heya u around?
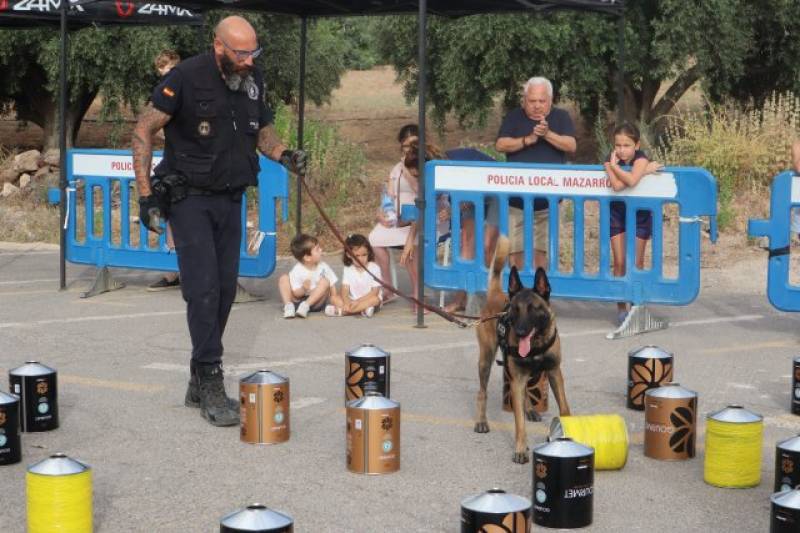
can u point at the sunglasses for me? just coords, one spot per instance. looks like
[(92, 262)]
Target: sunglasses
[(241, 55)]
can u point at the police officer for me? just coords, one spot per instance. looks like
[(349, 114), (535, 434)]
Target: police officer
[(212, 109)]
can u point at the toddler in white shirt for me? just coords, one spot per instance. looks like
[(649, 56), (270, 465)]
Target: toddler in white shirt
[(310, 282), (361, 292)]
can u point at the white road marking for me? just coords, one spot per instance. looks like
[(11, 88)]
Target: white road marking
[(77, 319), (745, 386), (307, 401)]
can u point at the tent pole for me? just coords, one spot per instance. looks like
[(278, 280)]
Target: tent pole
[(62, 143), (302, 115), (621, 67), (420, 201)]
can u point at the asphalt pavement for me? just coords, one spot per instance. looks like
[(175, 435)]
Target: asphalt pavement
[(122, 362)]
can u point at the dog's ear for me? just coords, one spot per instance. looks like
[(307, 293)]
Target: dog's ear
[(541, 285), (514, 283)]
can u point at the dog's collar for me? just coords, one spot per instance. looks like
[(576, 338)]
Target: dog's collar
[(503, 327)]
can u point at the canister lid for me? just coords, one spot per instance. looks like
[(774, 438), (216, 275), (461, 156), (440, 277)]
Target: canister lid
[(367, 351), (735, 414), (797, 359), (670, 390), (792, 444), (788, 499), (6, 398), (58, 464), (264, 377), (32, 368), (373, 400), (496, 501), (562, 447), (256, 517), (649, 352)]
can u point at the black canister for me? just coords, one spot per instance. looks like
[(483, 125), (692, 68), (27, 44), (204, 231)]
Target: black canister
[(649, 367), (787, 464), (366, 370), (496, 510), (256, 518), (37, 387), (10, 447), (563, 484), (785, 515), (796, 386)]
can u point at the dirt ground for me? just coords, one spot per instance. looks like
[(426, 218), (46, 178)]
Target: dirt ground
[(368, 109)]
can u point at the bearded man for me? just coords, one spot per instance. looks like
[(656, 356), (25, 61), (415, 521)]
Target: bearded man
[(212, 110)]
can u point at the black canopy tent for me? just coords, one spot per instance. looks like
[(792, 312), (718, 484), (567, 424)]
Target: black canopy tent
[(328, 8)]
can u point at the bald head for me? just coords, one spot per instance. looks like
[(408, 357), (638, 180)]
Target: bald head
[(237, 29)]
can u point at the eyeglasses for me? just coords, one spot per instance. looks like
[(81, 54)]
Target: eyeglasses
[(241, 55)]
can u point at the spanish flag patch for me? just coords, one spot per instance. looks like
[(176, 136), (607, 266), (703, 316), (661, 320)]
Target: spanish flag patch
[(166, 91)]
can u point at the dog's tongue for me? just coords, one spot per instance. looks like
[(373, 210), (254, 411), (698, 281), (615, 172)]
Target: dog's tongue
[(524, 347)]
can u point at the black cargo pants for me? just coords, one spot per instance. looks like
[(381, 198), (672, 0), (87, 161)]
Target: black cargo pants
[(207, 230)]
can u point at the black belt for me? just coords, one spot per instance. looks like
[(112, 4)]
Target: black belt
[(194, 191)]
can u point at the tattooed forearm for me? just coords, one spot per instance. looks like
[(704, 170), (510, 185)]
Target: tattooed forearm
[(150, 121), (269, 144)]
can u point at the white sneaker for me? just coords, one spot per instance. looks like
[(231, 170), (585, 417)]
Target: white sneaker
[(288, 310), (368, 312), (332, 310), (302, 310)]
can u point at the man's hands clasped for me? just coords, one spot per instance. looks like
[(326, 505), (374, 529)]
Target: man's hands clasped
[(295, 160)]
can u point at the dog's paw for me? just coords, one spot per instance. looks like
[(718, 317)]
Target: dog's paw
[(533, 416), (521, 457), (481, 427)]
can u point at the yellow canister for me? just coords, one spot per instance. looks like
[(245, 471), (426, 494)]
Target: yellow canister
[(59, 495), (733, 448), (264, 408), (373, 435)]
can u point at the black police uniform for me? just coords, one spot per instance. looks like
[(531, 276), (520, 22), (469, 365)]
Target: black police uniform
[(211, 141)]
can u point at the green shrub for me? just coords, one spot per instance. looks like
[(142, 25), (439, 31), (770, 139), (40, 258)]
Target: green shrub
[(743, 147)]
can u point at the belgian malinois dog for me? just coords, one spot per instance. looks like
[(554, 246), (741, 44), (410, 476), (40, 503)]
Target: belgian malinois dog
[(531, 340)]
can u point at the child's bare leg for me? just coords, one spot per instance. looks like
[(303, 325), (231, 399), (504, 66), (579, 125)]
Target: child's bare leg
[(336, 301), (285, 289), (365, 302), (618, 253), (641, 246), (382, 260), (320, 293)]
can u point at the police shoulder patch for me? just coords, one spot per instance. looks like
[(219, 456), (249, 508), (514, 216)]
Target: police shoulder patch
[(166, 91)]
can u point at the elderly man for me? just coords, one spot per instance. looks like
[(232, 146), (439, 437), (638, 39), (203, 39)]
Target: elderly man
[(537, 132), (212, 109)]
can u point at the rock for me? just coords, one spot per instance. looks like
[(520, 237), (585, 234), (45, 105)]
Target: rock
[(27, 161), (8, 174), (41, 172), (9, 190), (51, 157), (24, 181)]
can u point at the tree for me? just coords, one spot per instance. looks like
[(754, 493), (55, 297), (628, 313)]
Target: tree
[(116, 63), (670, 44)]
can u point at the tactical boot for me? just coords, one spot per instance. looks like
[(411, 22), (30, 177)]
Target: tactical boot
[(215, 406), (192, 398)]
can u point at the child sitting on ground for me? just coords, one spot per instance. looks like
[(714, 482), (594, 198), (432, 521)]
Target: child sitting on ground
[(361, 292), (310, 282), (626, 152)]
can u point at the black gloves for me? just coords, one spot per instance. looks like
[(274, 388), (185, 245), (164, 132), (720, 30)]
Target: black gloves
[(294, 160), (150, 213)]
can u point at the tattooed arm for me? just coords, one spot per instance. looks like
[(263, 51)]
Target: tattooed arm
[(269, 144), (150, 121)]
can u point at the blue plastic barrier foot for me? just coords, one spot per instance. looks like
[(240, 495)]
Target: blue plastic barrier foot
[(103, 282), (639, 320), (244, 296)]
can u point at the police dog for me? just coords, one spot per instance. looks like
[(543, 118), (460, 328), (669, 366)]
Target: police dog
[(532, 340)]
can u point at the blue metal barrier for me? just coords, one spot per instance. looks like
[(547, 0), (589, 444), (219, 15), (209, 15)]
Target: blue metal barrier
[(100, 192), (693, 190), (785, 195)]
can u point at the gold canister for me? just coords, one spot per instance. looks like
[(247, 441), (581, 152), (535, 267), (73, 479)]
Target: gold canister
[(649, 367), (373, 435), (264, 405), (537, 390), (670, 423)]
